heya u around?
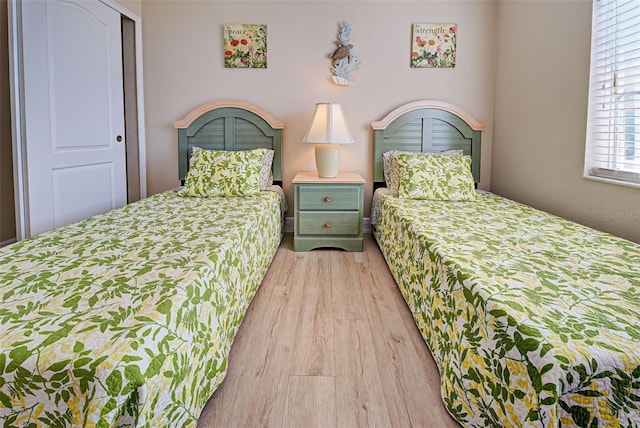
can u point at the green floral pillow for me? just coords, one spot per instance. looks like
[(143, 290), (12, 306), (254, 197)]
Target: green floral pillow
[(266, 174), (444, 178), (390, 165), (224, 173)]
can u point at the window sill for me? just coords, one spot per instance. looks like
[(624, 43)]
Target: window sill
[(610, 181)]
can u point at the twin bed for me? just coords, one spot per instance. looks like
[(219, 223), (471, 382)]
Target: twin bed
[(127, 318), (533, 320)]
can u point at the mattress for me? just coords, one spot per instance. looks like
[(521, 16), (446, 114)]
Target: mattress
[(127, 318), (532, 319)]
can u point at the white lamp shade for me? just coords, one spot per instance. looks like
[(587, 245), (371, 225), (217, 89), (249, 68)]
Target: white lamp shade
[(328, 126)]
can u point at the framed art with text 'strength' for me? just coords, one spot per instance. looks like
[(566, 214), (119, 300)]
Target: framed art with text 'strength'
[(434, 45)]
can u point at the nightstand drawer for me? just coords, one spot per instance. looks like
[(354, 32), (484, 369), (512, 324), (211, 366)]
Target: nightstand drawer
[(334, 197), (329, 223)]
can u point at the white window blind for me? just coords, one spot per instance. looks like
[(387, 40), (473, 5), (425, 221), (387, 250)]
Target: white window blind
[(613, 125)]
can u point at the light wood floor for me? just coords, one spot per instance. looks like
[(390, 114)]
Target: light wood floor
[(328, 341)]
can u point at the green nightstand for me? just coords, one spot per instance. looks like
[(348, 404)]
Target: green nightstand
[(328, 211)]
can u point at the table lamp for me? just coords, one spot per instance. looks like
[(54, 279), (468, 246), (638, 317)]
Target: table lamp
[(328, 130)]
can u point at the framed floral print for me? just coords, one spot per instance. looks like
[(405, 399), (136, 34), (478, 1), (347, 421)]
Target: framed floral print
[(245, 46), (434, 45)]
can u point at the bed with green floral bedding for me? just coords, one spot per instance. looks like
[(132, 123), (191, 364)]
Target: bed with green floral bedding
[(127, 318), (533, 320)]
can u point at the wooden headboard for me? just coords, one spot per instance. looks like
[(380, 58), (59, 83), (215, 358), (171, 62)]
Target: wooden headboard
[(229, 125), (427, 126)]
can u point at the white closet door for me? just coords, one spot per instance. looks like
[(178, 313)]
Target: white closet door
[(73, 112)]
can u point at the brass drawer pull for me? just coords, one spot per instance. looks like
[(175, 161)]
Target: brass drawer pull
[(328, 199), (327, 224)]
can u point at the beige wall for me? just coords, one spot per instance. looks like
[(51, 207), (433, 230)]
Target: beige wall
[(134, 6), (183, 68), (540, 117), (538, 81), (7, 207)]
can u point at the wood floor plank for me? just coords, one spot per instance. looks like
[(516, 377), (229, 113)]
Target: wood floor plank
[(346, 290), (382, 316), (361, 400), (311, 402), (228, 405), (304, 356), (408, 376), (268, 394), (314, 346)]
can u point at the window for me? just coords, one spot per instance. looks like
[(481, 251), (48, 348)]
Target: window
[(613, 125)]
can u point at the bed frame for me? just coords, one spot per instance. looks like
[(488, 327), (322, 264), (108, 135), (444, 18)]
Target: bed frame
[(427, 126), (229, 125)]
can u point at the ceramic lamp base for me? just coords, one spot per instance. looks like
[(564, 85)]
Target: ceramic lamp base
[(327, 160)]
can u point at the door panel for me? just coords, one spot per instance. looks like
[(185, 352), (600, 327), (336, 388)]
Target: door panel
[(80, 189), (74, 111)]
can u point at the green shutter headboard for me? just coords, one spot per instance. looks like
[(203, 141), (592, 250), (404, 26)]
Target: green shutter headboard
[(229, 125), (427, 126)]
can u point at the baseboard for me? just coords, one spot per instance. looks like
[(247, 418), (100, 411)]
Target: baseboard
[(366, 225), (289, 222), (7, 242)]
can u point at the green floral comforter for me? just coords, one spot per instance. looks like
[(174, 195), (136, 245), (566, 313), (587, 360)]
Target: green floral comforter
[(533, 320), (127, 318)]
